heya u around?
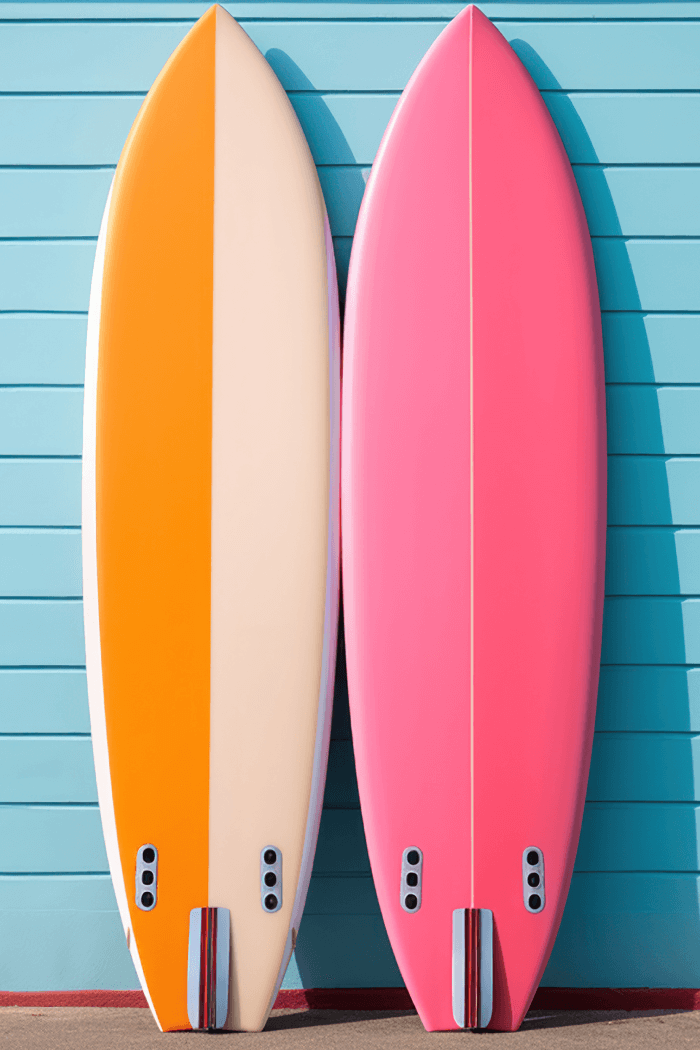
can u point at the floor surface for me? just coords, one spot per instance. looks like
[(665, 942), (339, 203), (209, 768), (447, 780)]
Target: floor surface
[(70, 1028)]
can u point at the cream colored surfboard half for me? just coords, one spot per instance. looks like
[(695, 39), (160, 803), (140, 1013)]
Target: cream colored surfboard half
[(210, 515)]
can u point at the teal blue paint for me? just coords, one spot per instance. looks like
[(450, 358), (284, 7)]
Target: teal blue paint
[(42, 348), (73, 129), (653, 561), (632, 135), (653, 490), (86, 57), (40, 564), (645, 767), (40, 492), (342, 246), (41, 422), (343, 129), (346, 56), (45, 275), (69, 202), (346, 895), (649, 699), (51, 839), (53, 701), (647, 274), (52, 202), (343, 189), (62, 932), (656, 348), (347, 128), (651, 631), (345, 951), (634, 128), (629, 836), (604, 56), (654, 420), (46, 769), (628, 931), (634, 202), (399, 11), (633, 274), (41, 633), (640, 202), (341, 846), (341, 785)]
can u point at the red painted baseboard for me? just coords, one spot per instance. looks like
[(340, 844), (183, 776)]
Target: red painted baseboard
[(393, 999)]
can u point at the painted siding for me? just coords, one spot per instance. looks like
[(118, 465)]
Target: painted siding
[(623, 84)]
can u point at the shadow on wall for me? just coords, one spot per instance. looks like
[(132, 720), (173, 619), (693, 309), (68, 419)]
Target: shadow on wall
[(342, 941), (342, 180), (632, 916)]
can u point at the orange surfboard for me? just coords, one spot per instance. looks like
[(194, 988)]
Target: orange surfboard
[(210, 529)]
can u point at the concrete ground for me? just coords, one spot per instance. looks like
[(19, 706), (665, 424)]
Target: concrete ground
[(70, 1028)]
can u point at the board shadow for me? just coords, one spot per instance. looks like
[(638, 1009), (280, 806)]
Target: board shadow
[(639, 692)]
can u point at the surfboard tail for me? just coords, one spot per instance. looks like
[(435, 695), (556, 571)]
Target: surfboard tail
[(472, 967), (208, 967)]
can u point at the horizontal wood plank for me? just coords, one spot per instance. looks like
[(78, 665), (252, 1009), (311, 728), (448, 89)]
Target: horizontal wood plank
[(628, 931), (341, 781), (640, 201), (651, 348), (367, 55), (41, 634), (400, 11), (346, 128), (627, 128), (42, 564), (53, 202), (42, 348), (342, 951), (62, 932), (653, 490), (348, 895), (657, 420), (341, 844), (642, 490), (618, 836), (652, 561), (645, 767), (629, 201), (40, 492), (41, 421), (47, 769), (46, 275), (51, 839), (649, 699), (72, 129), (52, 701), (651, 631), (648, 274)]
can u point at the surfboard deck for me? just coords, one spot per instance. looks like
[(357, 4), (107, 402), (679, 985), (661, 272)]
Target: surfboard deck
[(210, 529), (473, 493)]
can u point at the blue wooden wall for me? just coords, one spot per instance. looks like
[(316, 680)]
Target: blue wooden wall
[(622, 81)]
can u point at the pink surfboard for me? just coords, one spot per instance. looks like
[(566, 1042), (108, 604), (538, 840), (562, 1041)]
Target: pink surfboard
[(473, 490)]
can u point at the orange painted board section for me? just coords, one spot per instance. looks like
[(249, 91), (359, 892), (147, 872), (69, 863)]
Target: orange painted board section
[(153, 502)]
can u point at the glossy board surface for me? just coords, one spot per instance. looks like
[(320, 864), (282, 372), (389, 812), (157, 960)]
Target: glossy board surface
[(473, 511), (210, 513)]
